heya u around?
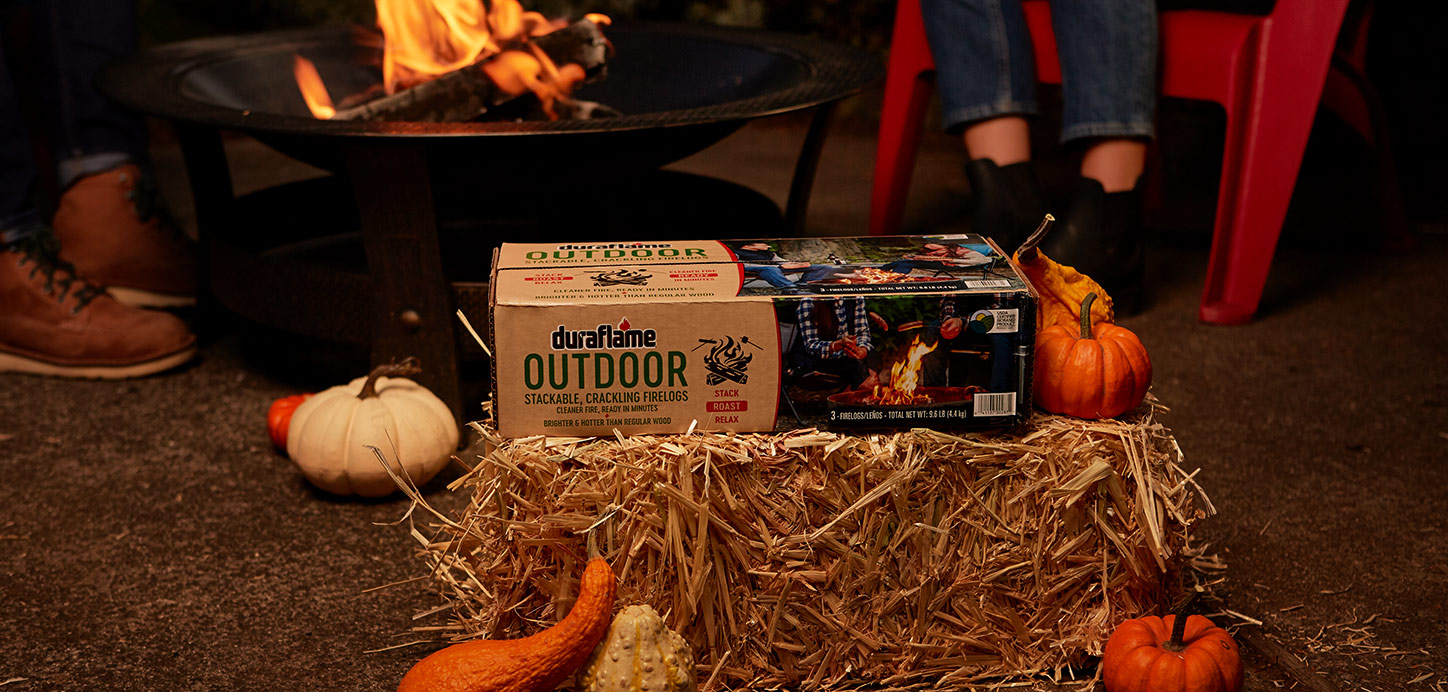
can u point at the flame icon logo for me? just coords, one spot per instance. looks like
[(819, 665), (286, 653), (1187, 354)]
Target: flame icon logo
[(622, 277), (727, 359)]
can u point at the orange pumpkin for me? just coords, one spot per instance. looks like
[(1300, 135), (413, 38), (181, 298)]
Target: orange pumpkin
[(1101, 371), (279, 418), (1171, 654)]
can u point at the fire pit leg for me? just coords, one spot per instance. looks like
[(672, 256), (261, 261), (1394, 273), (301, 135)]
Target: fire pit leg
[(215, 204), (412, 313), (804, 169)]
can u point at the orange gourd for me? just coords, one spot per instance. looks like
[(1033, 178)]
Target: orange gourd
[(532, 664), (1060, 288), (1100, 371), (1172, 654), (279, 418)]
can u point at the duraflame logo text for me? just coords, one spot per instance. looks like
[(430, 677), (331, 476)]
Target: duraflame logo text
[(604, 357), (613, 246), (603, 337)]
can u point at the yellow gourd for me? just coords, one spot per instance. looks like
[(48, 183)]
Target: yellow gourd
[(639, 654), (1062, 289), (330, 433)]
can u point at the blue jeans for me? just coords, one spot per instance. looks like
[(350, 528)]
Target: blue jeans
[(984, 66), (65, 43), (775, 277)]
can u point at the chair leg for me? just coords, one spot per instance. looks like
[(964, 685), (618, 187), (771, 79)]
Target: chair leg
[(907, 93), (1350, 96), (1266, 136)]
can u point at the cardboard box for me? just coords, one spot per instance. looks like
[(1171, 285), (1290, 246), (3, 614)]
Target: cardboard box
[(757, 335)]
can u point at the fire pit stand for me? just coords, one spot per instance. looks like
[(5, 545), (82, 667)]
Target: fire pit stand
[(682, 88)]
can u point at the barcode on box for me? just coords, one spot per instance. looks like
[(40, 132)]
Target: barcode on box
[(1000, 404), (978, 284)]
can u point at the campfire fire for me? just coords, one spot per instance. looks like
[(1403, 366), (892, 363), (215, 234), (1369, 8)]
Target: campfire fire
[(871, 275), (904, 378), (425, 39)]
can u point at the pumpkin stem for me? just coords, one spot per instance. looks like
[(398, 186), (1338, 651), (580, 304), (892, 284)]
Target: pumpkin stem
[(1086, 315), (1179, 623), (409, 366)]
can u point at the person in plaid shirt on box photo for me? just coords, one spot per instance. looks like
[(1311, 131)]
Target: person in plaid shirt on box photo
[(835, 334)]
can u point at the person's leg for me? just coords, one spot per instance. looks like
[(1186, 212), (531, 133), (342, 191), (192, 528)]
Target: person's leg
[(771, 275), (983, 60), (935, 365), (1108, 51), (819, 272), (92, 135), (17, 157), (1115, 163), (986, 76), (53, 321), (110, 220), (851, 370), (1005, 140), (900, 266)]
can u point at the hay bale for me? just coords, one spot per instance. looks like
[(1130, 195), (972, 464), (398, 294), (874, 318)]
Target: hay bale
[(821, 561)]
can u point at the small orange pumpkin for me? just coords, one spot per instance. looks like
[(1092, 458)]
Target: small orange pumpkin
[(279, 418), (1172, 654), (1102, 371)]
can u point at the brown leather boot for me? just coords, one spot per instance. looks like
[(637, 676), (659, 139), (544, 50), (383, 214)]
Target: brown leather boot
[(53, 322), (112, 228)]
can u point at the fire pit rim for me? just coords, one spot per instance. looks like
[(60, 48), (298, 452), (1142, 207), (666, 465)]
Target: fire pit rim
[(149, 81)]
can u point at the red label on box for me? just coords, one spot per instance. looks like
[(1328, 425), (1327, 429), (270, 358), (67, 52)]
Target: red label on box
[(718, 406)]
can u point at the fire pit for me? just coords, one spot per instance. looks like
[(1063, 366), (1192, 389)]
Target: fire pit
[(680, 88)]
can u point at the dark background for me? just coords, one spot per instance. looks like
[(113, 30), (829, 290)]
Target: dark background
[(150, 538)]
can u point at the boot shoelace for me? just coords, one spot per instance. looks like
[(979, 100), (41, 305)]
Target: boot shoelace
[(146, 199), (41, 249)]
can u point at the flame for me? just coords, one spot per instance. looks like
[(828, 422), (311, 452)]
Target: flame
[(517, 72), (426, 38), (314, 92), (423, 39), (905, 377), (872, 275)]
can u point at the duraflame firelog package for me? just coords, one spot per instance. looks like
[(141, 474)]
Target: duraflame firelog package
[(759, 335)]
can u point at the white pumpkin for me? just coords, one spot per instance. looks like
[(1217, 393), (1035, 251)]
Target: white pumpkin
[(331, 432)]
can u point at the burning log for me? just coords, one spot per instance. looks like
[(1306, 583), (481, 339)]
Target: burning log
[(467, 93)]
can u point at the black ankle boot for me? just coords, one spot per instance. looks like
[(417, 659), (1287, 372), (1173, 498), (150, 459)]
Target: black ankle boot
[(1100, 235), (1008, 201)]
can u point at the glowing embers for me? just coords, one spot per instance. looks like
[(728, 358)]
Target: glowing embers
[(872, 275)]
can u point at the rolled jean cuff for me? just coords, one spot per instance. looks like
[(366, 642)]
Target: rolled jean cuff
[(1144, 130), (72, 169), (958, 118), (17, 227)]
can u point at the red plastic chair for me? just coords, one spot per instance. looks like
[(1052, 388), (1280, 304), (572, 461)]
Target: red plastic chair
[(1268, 72)]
